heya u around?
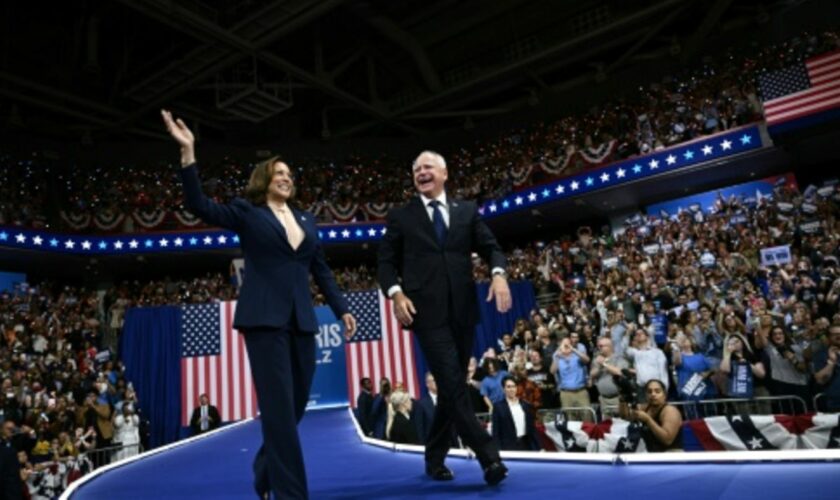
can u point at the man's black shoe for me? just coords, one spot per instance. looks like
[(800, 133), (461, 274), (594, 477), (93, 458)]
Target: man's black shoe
[(495, 473), (440, 473)]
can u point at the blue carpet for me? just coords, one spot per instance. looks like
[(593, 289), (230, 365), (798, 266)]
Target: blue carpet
[(339, 466)]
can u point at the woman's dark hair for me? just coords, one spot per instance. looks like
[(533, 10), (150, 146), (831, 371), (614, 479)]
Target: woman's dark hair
[(260, 179), (656, 381), (491, 361)]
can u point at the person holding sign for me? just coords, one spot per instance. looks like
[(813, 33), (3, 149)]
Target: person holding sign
[(274, 311)]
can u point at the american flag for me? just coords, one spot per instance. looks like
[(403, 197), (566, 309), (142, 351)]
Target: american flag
[(214, 361), (809, 87), (380, 348)]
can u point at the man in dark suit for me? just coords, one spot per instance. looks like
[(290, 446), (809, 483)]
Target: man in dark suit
[(425, 409), (425, 266), (205, 417), (364, 403)]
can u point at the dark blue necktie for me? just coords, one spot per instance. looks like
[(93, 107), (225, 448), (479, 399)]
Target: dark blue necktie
[(437, 221)]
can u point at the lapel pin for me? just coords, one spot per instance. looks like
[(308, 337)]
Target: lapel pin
[(302, 218)]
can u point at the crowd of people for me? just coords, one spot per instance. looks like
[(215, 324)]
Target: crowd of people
[(715, 95), (65, 405), (684, 301)]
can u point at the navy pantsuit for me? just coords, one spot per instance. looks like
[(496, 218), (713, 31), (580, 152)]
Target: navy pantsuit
[(277, 317)]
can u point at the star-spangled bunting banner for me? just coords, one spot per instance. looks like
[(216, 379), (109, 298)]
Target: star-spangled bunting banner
[(709, 148)]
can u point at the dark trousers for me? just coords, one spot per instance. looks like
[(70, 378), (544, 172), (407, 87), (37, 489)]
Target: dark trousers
[(447, 350), (282, 364)]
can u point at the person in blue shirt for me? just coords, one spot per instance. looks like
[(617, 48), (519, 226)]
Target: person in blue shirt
[(569, 366), (742, 365), (491, 384), (693, 370)]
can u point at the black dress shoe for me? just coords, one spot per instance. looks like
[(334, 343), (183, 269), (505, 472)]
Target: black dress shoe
[(440, 473), (495, 473)]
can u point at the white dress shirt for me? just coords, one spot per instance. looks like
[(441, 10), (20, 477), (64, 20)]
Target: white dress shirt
[(518, 418), (444, 210)]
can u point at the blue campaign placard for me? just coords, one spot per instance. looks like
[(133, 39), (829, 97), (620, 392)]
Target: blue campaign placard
[(329, 388)]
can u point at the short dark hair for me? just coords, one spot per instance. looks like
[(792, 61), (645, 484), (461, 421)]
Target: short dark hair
[(364, 380), (505, 380)]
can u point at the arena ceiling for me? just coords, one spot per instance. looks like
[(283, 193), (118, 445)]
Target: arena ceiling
[(248, 70)]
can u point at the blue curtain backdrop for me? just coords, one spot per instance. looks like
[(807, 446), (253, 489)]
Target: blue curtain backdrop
[(493, 324), (150, 348)]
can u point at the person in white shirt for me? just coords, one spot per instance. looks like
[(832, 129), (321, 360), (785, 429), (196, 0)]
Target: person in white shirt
[(205, 417), (649, 362), (513, 421)]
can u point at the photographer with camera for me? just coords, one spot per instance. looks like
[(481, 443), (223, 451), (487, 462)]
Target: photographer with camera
[(661, 422)]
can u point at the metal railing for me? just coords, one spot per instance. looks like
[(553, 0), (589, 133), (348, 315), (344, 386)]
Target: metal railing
[(571, 413), (763, 405)]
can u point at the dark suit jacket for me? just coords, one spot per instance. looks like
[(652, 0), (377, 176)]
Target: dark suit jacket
[(403, 430), (504, 430), (424, 413), (11, 487), (276, 284), (364, 406), (431, 276), (195, 420)]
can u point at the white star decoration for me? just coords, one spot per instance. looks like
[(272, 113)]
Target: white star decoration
[(726, 144), (371, 232), (37, 240), (179, 242), (118, 245), (707, 150), (69, 244), (605, 177), (756, 443), (532, 197), (208, 240), (671, 159), (20, 238), (575, 185), (654, 164), (620, 173), (222, 239), (133, 244), (86, 245), (345, 234), (560, 189)]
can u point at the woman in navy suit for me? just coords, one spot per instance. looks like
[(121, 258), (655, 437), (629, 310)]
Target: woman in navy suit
[(513, 421), (274, 312)]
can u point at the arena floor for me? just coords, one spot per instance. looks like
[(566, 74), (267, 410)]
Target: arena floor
[(340, 466)]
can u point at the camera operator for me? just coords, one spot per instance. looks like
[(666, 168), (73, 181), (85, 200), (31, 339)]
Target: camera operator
[(661, 422)]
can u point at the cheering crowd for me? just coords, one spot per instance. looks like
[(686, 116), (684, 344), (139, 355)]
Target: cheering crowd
[(717, 94)]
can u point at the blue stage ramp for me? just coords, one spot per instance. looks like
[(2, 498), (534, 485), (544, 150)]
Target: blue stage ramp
[(340, 465)]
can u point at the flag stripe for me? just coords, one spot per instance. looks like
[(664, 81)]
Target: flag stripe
[(214, 361), (808, 110), (381, 348), (823, 59), (802, 89)]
